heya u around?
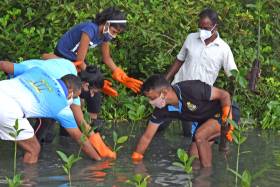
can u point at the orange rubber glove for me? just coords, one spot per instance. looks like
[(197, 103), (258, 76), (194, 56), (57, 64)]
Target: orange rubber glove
[(80, 65), (229, 133), (133, 84), (104, 151), (136, 156), (226, 110), (108, 90)]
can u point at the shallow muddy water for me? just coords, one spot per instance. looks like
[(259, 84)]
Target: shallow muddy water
[(260, 160)]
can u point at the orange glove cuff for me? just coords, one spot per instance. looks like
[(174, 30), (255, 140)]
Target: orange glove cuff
[(225, 111), (137, 156)]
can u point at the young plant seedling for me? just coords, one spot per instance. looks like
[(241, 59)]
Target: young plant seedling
[(139, 181), (239, 139), (16, 181), (136, 112), (68, 163), (85, 134), (118, 141), (245, 178), (185, 161)]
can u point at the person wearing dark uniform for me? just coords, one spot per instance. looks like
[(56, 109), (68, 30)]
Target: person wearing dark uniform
[(206, 106)]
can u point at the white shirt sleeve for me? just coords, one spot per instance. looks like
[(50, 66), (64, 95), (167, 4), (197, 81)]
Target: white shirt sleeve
[(183, 52), (228, 63)]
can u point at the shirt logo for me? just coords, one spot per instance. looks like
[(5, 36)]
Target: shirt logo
[(39, 86), (192, 107)]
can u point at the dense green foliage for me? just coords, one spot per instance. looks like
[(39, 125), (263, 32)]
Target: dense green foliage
[(156, 32)]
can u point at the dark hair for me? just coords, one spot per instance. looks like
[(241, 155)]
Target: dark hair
[(93, 76), (111, 13), (72, 82), (209, 13), (155, 82)]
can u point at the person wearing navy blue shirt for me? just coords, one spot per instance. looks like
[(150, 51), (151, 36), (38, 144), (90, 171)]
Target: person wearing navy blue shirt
[(39, 95), (74, 45)]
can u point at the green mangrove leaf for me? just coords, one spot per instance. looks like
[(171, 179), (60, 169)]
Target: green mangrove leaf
[(178, 164), (115, 136), (242, 139), (122, 139), (246, 179), (138, 178), (62, 156)]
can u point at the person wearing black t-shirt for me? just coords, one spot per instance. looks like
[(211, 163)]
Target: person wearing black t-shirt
[(190, 100)]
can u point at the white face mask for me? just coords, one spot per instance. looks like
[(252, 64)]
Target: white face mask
[(205, 34), (106, 32), (158, 102), (70, 101)]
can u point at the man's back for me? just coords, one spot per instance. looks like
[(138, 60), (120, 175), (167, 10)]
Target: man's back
[(56, 68), (38, 94)]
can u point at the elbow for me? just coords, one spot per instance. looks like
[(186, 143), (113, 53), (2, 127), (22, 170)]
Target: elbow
[(2, 65), (226, 96)]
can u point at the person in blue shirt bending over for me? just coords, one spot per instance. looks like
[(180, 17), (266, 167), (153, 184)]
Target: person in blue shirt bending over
[(74, 45), (92, 80), (33, 93)]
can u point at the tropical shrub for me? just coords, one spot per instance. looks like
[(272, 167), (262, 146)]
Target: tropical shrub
[(156, 31)]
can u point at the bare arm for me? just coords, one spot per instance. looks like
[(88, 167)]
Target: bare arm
[(83, 49), (107, 59), (173, 69), (87, 148), (146, 138), (7, 67), (79, 117), (222, 95)]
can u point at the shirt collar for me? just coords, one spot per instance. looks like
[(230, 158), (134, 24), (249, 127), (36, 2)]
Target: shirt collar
[(62, 84), (172, 108)]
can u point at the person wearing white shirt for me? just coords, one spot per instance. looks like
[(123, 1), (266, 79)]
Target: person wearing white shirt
[(202, 55)]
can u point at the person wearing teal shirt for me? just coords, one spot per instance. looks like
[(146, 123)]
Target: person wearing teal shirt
[(92, 80), (39, 95)]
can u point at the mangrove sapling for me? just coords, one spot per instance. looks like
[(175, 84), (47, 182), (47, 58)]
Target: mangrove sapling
[(118, 141), (136, 112), (185, 162), (239, 139), (68, 163), (16, 181), (138, 181), (72, 159), (85, 134)]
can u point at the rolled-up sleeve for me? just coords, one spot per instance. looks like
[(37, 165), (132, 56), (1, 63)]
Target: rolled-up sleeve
[(183, 52), (228, 63)]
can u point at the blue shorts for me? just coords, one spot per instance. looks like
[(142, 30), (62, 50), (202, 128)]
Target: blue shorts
[(196, 125)]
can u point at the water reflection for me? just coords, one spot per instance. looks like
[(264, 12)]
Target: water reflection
[(96, 172), (157, 164)]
